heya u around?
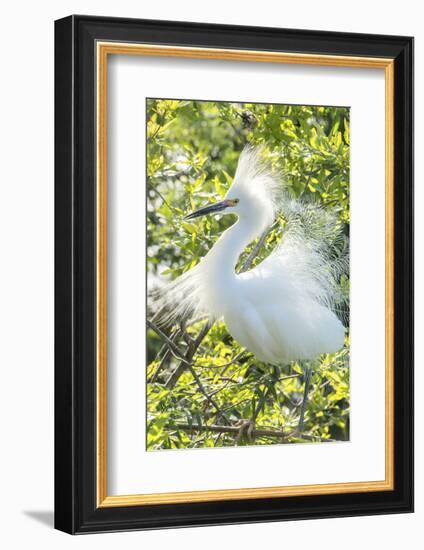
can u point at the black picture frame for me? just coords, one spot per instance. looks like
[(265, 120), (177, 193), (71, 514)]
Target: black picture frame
[(76, 508)]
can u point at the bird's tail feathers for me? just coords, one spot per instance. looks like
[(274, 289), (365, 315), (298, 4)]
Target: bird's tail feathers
[(178, 300)]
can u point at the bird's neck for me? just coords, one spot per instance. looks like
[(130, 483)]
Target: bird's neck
[(223, 257)]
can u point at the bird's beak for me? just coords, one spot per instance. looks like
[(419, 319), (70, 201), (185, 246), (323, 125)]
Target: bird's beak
[(211, 209)]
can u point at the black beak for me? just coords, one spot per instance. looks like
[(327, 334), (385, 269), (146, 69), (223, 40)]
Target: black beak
[(211, 209)]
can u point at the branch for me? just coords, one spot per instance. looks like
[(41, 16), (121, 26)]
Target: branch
[(172, 347), (225, 365), (208, 397), (257, 432), (186, 361), (188, 358)]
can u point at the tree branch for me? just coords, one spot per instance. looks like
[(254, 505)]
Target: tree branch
[(172, 347), (257, 432), (209, 398), (225, 365), (188, 358), (186, 361)]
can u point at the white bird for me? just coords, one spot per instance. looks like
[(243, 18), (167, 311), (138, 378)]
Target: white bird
[(282, 310)]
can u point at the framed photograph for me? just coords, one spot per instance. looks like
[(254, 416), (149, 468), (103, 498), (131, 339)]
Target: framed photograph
[(234, 255)]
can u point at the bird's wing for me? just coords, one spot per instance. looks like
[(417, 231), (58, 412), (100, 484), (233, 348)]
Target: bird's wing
[(310, 258)]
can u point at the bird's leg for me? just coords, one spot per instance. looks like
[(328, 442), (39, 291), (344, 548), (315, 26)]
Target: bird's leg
[(246, 427), (250, 429), (307, 375)]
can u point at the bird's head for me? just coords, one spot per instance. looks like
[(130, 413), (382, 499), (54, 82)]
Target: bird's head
[(252, 195)]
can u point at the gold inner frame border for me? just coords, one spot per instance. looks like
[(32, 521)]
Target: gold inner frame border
[(103, 50)]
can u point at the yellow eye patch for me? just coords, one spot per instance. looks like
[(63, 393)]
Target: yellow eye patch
[(232, 202)]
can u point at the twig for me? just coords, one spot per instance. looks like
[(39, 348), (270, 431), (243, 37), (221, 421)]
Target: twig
[(208, 396), (288, 377), (165, 357), (222, 387), (225, 365), (172, 347), (236, 404), (254, 252), (312, 437)]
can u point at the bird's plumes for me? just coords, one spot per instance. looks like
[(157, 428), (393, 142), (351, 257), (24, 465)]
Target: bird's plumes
[(315, 251), (261, 189), (282, 309)]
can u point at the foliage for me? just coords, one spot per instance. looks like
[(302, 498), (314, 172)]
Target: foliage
[(192, 153)]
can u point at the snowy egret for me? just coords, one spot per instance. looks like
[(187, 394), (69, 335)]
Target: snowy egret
[(282, 310)]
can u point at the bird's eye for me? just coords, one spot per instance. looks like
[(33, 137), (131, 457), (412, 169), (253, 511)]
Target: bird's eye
[(236, 201)]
